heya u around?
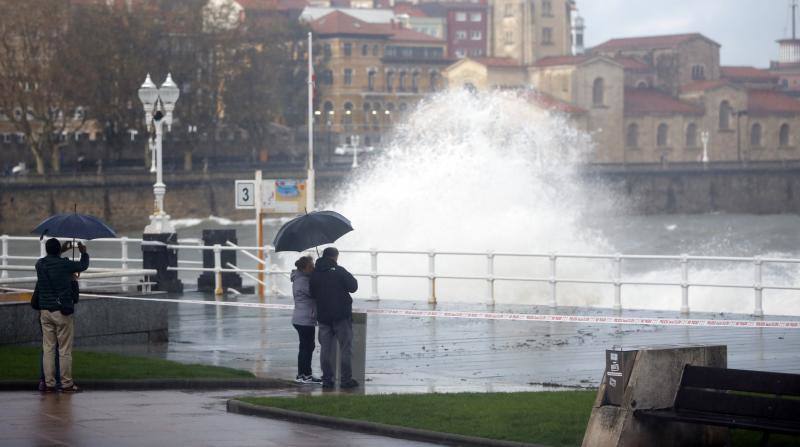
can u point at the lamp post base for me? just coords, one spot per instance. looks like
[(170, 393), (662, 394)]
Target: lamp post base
[(159, 224), (158, 257)]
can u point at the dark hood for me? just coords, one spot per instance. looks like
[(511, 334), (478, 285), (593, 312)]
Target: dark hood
[(324, 264)]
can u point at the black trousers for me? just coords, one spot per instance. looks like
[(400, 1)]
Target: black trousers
[(307, 346)]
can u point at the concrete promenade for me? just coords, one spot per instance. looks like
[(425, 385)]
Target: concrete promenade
[(156, 418)]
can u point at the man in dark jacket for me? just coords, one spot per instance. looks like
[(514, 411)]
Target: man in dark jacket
[(331, 286), (55, 275)]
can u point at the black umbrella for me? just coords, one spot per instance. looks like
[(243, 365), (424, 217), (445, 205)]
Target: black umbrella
[(311, 230), (74, 226)]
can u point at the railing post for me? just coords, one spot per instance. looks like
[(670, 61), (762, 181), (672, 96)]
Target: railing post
[(124, 279), (553, 281), (373, 255), (432, 277), (684, 284), (273, 284), (618, 282), (217, 273), (4, 254), (490, 275), (759, 289)]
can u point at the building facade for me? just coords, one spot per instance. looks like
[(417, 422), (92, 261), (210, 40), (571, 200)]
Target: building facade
[(527, 30), (374, 73), (467, 26)]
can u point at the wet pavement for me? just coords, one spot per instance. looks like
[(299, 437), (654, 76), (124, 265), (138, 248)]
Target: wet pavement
[(409, 354), (156, 418)]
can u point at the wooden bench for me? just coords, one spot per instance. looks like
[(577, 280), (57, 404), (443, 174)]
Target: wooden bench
[(761, 401)]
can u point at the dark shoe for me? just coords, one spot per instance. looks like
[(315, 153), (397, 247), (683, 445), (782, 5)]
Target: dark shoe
[(328, 385), (350, 384), (71, 389), (48, 389), (313, 380), (300, 379)]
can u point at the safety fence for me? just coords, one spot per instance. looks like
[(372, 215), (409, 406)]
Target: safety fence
[(266, 268)]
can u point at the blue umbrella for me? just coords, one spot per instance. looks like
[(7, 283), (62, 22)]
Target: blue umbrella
[(75, 226), (311, 230)]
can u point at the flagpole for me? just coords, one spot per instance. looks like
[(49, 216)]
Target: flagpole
[(310, 182)]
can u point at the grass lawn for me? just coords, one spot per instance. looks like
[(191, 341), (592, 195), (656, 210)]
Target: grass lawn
[(22, 363), (555, 418)]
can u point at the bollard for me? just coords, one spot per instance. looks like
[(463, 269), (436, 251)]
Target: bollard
[(158, 256), (431, 277), (4, 255), (373, 255), (618, 282), (490, 275), (358, 359), (217, 273), (684, 284), (124, 279), (758, 288), (206, 282), (553, 282)]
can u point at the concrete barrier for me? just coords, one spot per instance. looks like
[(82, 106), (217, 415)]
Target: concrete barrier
[(653, 379), (97, 321)]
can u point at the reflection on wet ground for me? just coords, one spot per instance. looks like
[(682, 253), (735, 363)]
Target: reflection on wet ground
[(406, 354), (157, 418)]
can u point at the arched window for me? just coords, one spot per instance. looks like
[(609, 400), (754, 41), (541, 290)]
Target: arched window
[(725, 115), (375, 50), (389, 81), (755, 135), (401, 81), (329, 111), (402, 107), (371, 80), (784, 139), (597, 92), (698, 72), (415, 81), (434, 81), (364, 50), (691, 135), (662, 135), (632, 136), (641, 84)]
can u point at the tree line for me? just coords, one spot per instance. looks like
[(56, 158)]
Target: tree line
[(66, 63)]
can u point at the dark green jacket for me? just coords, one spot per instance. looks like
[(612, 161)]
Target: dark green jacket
[(54, 274)]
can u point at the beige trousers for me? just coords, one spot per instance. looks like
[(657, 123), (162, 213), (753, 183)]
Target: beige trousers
[(57, 327)]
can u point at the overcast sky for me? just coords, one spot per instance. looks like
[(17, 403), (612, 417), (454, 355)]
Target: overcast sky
[(746, 29)]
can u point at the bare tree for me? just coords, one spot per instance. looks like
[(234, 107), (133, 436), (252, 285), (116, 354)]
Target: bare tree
[(32, 87)]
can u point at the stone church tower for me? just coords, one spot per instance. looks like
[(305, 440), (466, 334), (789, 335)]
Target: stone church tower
[(528, 30)]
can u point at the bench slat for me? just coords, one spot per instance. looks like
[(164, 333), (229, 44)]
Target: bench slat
[(693, 399), (759, 424), (741, 380)]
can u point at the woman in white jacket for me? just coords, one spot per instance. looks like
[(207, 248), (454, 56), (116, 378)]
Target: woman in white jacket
[(304, 318)]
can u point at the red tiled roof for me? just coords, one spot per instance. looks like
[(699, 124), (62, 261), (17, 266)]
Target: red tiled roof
[(768, 102), (496, 61), (649, 42), (545, 101), (747, 74), (633, 64), (338, 22), (551, 61), (646, 101), (701, 86)]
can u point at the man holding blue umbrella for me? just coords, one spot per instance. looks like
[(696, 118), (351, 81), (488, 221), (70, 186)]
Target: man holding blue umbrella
[(56, 305)]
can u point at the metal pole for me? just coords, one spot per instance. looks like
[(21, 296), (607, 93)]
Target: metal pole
[(4, 254), (757, 287), (553, 282), (684, 284), (259, 234), (217, 273), (124, 279), (311, 177), (618, 283), (490, 275), (159, 189), (373, 254), (432, 277)]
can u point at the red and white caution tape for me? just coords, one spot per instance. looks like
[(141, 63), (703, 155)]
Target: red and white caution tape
[(583, 319)]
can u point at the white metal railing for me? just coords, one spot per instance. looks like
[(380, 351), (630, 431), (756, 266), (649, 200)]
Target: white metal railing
[(616, 279)]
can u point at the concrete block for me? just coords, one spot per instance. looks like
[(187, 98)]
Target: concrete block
[(654, 379)]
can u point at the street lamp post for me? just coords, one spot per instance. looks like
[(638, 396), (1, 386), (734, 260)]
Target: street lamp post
[(704, 139), (355, 140), (158, 106)]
